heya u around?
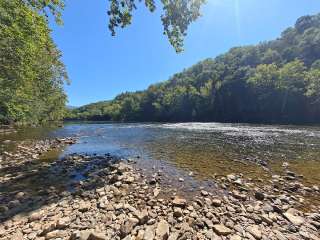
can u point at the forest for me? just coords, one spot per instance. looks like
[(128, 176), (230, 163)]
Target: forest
[(276, 81), (32, 74)]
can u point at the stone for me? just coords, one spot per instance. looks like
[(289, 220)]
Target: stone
[(174, 236), (239, 195), (255, 231), (20, 195), (152, 181), (129, 180), (97, 236), (149, 233), (231, 177), (156, 192), (84, 206), (291, 215), (220, 229), (259, 196), (177, 212), (18, 235), (162, 230), (54, 234), (204, 193), (63, 222), (266, 219), (35, 216), (208, 223), (179, 202), (128, 226), (216, 202), (143, 216), (80, 235), (235, 237)]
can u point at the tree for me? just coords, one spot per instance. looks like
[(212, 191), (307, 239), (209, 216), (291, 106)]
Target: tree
[(272, 82), (31, 72), (176, 17)]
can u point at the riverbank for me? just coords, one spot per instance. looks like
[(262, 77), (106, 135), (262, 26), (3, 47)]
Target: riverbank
[(103, 197)]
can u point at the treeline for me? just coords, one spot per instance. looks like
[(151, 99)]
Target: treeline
[(275, 82), (31, 71)]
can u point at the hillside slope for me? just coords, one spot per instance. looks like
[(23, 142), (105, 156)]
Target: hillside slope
[(273, 82)]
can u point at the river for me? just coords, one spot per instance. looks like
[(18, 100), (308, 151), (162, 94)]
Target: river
[(203, 150)]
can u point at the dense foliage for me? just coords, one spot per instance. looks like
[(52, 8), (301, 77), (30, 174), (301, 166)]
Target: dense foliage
[(31, 72), (275, 81)]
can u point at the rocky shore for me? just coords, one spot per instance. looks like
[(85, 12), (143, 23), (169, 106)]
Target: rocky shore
[(102, 197)]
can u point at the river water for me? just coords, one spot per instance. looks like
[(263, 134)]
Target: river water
[(205, 149)]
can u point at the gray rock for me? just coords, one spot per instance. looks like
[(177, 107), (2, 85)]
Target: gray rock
[(259, 196)]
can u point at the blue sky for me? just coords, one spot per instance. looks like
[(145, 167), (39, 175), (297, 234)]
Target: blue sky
[(101, 66)]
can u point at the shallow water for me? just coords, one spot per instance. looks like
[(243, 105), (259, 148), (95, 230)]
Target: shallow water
[(206, 149)]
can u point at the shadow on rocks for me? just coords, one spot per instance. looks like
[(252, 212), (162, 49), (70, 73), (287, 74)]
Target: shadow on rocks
[(32, 184)]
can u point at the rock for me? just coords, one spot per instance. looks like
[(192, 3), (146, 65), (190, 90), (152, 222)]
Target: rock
[(18, 235), (63, 222), (285, 164), (220, 229), (259, 196), (48, 227), (84, 206), (97, 236), (239, 195), (142, 216), (231, 177), (204, 193), (174, 236), (266, 219), (152, 181), (235, 237), (216, 202), (149, 233), (181, 180), (54, 234), (129, 180), (315, 188), (128, 226), (140, 234), (156, 192), (292, 216), (238, 182), (255, 231), (35, 216), (20, 195), (80, 235), (179, 202), (162, 231), (208, 223), (177, 212)]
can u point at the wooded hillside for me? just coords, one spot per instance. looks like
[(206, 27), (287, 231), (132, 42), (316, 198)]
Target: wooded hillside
[(274, 82)]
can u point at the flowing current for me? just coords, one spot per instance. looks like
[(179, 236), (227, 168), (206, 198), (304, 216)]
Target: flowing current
[(205, 149)]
